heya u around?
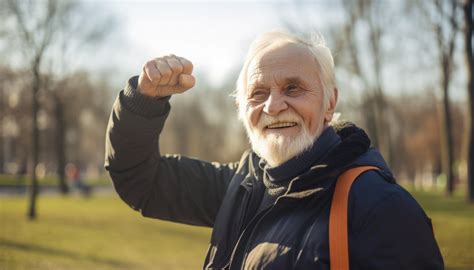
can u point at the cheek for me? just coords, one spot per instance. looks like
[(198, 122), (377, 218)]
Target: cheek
[(312, 115), (253, 114)]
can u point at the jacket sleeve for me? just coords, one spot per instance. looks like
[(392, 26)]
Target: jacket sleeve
[(173, 188), (397, 234)]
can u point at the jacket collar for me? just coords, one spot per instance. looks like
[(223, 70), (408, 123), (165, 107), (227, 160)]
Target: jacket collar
[(303, 161), (340, 146)]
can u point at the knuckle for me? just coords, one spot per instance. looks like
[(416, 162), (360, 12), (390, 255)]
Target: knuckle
[(176, 67), (158, 62), (185, 60), (146, 66), (189, 64), (166, 73)]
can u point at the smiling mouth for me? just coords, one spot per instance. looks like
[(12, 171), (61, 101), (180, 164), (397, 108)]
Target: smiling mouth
[(281, 125)]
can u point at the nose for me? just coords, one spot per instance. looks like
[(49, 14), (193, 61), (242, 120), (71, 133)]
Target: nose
[(275, 104)]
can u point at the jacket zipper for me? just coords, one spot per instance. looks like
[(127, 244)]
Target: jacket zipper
[(241, 220), (253, 231), (265, 213)]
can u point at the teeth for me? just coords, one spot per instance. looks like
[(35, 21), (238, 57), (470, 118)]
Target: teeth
[(282, 125)]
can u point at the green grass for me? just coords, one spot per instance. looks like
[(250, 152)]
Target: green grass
[(453, 222), (97, 233), (103, 233)]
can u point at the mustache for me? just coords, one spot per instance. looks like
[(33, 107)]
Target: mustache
[(266, 119)]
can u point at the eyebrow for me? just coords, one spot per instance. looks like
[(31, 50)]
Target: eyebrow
[(293, 80), (290, 80)]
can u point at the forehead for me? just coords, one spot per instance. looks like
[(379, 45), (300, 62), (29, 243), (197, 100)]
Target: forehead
[(281, 61)]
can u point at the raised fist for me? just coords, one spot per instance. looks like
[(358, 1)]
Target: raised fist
[(166, 76)]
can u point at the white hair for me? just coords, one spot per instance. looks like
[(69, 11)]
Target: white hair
[(315, 44)]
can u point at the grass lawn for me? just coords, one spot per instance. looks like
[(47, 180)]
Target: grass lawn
[(453, 222), (103, 233), (97, 233)]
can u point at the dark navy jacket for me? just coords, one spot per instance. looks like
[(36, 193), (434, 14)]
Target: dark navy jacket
[(387, 227)]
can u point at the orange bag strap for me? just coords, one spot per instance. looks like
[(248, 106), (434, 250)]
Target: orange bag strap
[(338, 240)]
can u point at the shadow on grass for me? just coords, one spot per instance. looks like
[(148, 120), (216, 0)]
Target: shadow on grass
[(168, 228), (58, 252)]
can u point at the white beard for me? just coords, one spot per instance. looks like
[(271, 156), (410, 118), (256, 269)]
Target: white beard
[(275, 149)]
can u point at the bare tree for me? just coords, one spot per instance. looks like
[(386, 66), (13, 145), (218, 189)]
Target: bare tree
[(442, 18), (369, 19), (35, 23), (36, 27), (211, 108), (75, 35), (360, 53), (468, 37)]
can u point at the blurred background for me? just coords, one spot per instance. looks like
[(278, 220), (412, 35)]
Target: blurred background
[(404, 71)]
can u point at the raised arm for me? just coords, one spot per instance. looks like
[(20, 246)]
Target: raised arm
[(172, 188)]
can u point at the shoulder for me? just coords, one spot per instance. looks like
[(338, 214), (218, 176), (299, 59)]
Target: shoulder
[(243, 169), (373, 186), (374, 196), (388, 228)]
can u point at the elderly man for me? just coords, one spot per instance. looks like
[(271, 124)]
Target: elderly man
[(270, 210)]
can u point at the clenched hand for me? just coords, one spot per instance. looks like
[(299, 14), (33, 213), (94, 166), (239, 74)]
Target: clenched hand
[(164, 76)]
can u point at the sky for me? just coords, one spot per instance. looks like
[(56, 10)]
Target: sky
[(214, 35)]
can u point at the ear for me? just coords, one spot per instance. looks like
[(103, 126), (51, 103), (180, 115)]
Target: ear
[(332, 106), (240, 110)]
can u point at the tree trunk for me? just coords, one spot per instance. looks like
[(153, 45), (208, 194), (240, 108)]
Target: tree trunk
[(383, 125), (468, 36), (447, 136), (369, 113), (3, 113), (372, 118), (33, 187), (60, 150)]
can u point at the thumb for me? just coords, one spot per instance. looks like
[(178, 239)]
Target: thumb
[(186, 81)]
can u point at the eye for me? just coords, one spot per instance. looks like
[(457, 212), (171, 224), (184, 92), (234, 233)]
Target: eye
[(259, 95), (293, 90), (290, 87)]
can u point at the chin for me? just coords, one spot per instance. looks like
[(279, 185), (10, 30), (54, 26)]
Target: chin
[(276, 149)]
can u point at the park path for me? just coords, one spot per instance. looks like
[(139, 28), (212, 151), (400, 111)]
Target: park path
[(50, 190)]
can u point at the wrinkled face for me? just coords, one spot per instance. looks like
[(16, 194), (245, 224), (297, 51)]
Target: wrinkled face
[(284, 102)]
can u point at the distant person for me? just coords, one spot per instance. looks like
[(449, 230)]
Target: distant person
[(273, 208), (74, 174)]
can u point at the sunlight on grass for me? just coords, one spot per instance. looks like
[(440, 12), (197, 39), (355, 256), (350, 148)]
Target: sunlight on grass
[(453, 222), (103, 233), (100, 233)]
